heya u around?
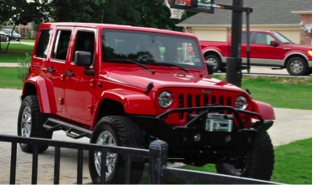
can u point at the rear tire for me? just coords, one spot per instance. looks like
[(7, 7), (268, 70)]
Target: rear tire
[(257, 163), (215, 60), (30, 123), (116, 131)]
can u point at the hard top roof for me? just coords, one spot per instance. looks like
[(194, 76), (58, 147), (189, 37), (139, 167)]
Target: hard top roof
[(115, 26)]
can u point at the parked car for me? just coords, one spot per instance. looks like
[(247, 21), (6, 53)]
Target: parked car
[(128, 86), (267, 48), (7, 32)]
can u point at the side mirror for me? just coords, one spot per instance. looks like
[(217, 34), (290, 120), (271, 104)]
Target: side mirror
[(82, 58), (274, 43), (210, 68)]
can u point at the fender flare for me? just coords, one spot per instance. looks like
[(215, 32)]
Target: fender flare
[(132, 101), (215, 50), (294, 53), (264, 109), (41, 90)]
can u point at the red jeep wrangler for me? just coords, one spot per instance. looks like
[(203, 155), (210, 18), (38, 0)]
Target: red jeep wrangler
[(127, 86)]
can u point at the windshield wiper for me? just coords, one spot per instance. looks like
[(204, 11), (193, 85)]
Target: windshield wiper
[(175, 65), (123, 60)]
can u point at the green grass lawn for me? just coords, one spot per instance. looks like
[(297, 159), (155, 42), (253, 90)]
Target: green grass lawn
[(9, 78), (293, 163), (280, 92), (15, 52)]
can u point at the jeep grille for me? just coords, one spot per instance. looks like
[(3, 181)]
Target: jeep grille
[(199, 100)]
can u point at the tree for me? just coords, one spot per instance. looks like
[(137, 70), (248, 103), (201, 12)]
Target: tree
[(22, 12), (75, 11), (145, 13)]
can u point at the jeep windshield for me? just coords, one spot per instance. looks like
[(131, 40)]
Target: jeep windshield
[(151, 48)]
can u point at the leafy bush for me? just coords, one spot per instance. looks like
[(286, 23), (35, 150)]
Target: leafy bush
[(23, 66)]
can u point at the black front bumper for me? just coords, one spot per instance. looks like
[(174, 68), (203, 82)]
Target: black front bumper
[(191, 139)]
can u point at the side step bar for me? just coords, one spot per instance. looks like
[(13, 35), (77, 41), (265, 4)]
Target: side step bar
[(72, 131)]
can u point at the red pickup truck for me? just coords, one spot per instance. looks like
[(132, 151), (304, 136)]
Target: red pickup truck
[(267, 48)]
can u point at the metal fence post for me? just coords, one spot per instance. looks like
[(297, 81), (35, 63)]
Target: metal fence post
[(157, 159)]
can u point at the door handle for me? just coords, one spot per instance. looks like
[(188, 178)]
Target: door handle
[(50, 69), (69, 73)]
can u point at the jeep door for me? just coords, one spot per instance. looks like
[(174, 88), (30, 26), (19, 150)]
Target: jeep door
[(79, 92), (57, 65)]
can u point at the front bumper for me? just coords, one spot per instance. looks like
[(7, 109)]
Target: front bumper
[(192, 138)]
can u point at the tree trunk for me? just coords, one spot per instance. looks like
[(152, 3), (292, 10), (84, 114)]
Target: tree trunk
[(6, 50)]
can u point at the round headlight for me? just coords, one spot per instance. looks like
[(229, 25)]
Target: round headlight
[(241, 103), (165, 99)]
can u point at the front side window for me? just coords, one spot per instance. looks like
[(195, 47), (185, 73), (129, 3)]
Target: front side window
[(85, 41), (61, 44), (43, 43), (282, 38), (262, 38), (150, 48)]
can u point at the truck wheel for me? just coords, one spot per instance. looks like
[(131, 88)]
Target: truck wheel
[(116, 131), (30, 123), (213, 59), (257, 163), (297, 66)]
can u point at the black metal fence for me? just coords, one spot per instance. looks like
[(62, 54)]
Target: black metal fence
[(157, 156)]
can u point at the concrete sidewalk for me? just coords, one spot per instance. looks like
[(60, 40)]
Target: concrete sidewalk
[(291, 125), (4, 64)]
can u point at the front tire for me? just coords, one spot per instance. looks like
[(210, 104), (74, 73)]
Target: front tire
[(116, 131), (257, 163), (30, 123), (297, 66)]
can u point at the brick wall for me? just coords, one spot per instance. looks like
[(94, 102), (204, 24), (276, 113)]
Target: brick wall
[(306, 37)]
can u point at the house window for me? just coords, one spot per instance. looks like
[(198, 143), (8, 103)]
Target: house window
[(24, 32)]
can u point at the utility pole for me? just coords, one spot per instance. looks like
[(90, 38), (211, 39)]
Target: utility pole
[(233, 66)]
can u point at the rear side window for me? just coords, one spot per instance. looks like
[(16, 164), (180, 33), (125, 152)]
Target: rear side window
[(61, 44), (43, 43), (244, 37)]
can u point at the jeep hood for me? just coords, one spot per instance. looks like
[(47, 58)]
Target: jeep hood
[(160, 79)]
